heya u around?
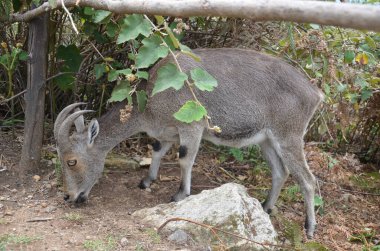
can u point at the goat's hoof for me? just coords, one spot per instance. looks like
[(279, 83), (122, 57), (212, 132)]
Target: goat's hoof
[(310, 229), (144, 184), (178, 197), (267, 210)]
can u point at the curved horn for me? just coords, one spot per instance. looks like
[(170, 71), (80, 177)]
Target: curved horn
[(62, 116), (79, 122), (63, 132)]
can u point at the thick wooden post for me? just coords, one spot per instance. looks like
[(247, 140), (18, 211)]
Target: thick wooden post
[(35, 96)]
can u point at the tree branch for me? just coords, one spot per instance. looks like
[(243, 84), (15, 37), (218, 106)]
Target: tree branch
[(327, 13)]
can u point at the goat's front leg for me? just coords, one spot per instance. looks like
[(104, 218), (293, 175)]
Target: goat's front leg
[(159, 150), (189, 145)]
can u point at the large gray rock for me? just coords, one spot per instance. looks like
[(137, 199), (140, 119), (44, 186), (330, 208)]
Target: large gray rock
[(227, 207)]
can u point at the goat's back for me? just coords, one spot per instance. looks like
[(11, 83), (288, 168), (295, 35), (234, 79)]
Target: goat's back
[(254, 91)]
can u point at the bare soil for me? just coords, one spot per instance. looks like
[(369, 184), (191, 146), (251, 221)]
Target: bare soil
[(33, 215)]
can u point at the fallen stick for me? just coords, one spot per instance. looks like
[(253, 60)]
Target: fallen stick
[(38, 219)]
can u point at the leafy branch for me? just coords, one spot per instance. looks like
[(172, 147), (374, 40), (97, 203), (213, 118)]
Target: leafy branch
[(192, 110)]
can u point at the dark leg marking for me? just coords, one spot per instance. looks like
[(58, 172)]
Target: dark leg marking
[(182, 151), (156, 146), (180, 190), (268, 211), (142, 184)]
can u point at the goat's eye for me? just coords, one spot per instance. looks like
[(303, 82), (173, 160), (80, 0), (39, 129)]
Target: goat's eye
[(72, 162)]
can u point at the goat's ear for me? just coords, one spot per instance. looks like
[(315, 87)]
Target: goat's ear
[(93, 130)]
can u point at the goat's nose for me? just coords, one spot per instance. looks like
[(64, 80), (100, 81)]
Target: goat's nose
[(66, 197), (81, 198)]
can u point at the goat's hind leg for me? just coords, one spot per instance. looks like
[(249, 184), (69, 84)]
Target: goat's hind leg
[(294, 159), (190, 139), (159, 150), (279, 174)]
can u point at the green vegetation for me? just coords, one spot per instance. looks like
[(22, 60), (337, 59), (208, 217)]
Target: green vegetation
[(153, 235), (12, 239), (74, 217), (108, 244)]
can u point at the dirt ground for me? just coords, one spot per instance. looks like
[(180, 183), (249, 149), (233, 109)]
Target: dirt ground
[(33, 215)]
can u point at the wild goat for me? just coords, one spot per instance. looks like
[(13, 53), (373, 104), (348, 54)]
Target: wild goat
[(259, 100)]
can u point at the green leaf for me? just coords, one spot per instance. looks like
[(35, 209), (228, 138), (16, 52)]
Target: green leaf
[(371, 43), (359, 81), (89, 11), (65, 81), (71, 55), (160, 20), (125, 72), (152, 50), (141, 100), (237, 154), (349, 56), (142, 74), (190, 111), (53, 3), (168, 76), (366, 94), (5, 59), (172, 37), (121, 92), (112, 75), (133, 26), (100, 15), (17, 4), (99, 70), (111, 29), (36, 2), (203, 80), (315, 26), (187, 51), (23, 56), (318, 201), (341, 87)]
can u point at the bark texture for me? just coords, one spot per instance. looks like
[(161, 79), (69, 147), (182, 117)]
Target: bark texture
[(35, 95), (347, 15)]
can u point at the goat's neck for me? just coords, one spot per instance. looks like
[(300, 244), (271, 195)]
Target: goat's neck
[(112, 131)]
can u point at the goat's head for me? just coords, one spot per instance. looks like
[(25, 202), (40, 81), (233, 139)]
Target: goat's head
[(82, 163)]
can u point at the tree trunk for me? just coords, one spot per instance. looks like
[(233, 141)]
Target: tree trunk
[(35, 96)]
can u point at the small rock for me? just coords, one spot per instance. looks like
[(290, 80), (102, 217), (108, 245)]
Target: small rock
[(154, 186), (49, 162), (179, 236), (53, 183), (348, 197), (30, 196), (124, 242), (48, 186), (44, 204), (1, 206), (2, 198), (50, 209), (274, 211), (37, 178), (148, 189), (88, 237), (145, 162), (14, 190), (9, 213)]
